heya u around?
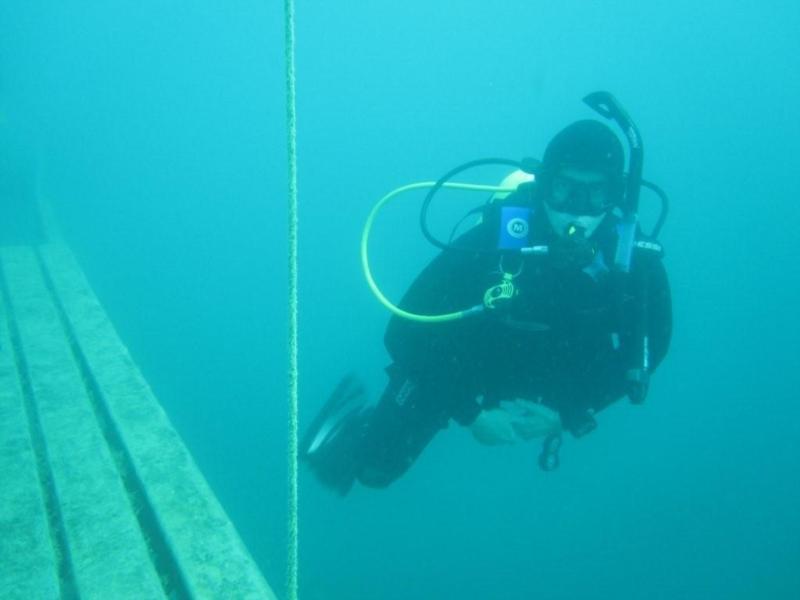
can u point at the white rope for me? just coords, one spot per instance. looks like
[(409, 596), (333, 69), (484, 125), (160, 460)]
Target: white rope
[(291, 123)]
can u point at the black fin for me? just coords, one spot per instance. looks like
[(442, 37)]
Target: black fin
[(332, 444), (348, 397)]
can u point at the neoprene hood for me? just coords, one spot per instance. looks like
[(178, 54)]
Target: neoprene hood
[(587, 145)]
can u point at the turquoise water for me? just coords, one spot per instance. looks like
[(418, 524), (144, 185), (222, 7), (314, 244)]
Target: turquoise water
[(161, 137)]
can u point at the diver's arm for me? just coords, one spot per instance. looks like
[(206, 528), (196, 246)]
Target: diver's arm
[(650, 323), (659, 302)]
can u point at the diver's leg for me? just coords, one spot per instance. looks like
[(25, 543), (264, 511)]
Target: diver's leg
[(405, 420), (349, 440)]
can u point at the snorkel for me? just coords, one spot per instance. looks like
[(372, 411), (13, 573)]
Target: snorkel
[(630, 284), (606, 105)]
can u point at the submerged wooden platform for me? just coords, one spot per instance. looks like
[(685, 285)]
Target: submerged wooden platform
[(99, 497)]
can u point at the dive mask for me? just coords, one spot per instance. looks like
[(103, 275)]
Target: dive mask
[(592, 195)]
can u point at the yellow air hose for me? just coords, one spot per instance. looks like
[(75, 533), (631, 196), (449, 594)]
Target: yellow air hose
[(365, 254)]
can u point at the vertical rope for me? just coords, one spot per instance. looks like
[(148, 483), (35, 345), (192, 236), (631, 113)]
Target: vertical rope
[(291, 122)]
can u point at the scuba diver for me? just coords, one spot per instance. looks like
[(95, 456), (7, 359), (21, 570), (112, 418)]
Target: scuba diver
[(554, 305)]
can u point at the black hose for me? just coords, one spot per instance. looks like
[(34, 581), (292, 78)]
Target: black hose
[(423, 216), (662, 218)]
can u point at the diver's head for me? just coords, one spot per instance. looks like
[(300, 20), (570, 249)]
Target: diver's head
[(581, 177)]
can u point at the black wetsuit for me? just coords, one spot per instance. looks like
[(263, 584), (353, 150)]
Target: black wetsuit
[(567, 340)]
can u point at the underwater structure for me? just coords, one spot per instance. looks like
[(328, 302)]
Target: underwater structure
[(99, 497)]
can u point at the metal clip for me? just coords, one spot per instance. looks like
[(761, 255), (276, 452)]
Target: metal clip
[(500, 293)]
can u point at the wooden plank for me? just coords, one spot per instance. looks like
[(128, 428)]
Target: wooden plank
[(105, 548), (29, 568), (208, 552)]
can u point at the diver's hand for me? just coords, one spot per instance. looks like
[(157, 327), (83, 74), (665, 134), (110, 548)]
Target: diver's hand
[(514, 421), (493, 428)]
